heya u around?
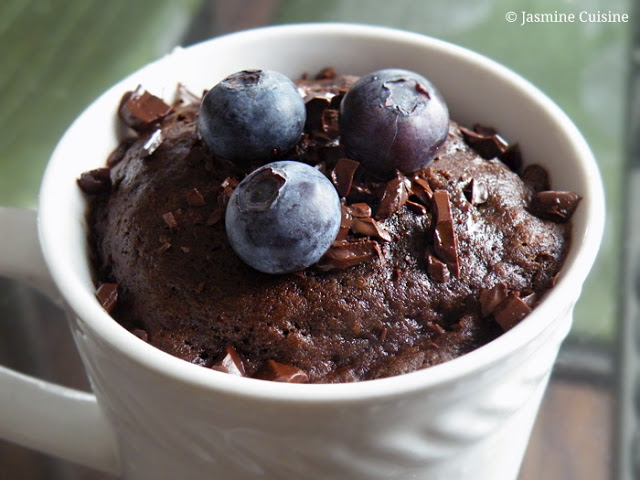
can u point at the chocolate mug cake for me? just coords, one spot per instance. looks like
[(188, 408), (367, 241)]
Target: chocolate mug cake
[(432, 254)]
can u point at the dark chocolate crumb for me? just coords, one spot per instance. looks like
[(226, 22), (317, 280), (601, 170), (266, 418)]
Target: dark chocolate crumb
[(437, 270), (394, 196), (95, 181), (345, 254), (553, 205), (107, 295), (445, 242), (536, 177), (195, 198), (491, 298), (511, 311), (280, 372), (139, 109), (231, 363), (170, 219), (342, 175)]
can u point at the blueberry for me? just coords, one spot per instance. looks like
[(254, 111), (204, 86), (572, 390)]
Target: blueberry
[(251, 116), (393, 119), (283, 217)]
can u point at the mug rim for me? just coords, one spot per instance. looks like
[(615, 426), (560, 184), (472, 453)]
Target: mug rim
[(583, 250)]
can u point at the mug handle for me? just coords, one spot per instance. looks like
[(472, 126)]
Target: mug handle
[(44, 416)]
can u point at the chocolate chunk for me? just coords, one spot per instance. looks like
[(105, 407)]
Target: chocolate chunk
[(170, 219), (368, 226), (153, 143), (195, 198), (437, 270), (141, 334), (345, 223), (231, 363), (342, 175), (488, 143), (421, 189), (536, 177), (315, 107), (475, 192), (186, 96), (555, 206), (485, 141), (330, 123), (280, 372), (445, 242), (120, 151), (139, 109), (509, 313), (360, 210), (215, 216), (95, 181), (395, 195), (107, 295), (416, 207), (227, 187), (512, 157), (345, 254), (491, 298), (163, 248)]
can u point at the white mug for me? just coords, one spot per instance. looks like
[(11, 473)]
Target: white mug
[(153, 416)]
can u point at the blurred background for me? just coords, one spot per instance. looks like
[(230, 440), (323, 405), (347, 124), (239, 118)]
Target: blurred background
[(56, 56)]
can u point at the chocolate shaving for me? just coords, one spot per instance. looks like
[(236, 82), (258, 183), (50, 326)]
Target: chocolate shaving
[(360, 210), (536, 177), (553, 205), (345, 254), (163, 248), (141, 334), (368, 226), (95, 181), (491, 298), (107, 295), (475, 192), (120, 151), (342, 175), (153, 143), (170, 219), (231, 363), (280, 372), (215, 216), (329, 122), (416, 207), (195, 198), (394, 196), (227, 187), (512, 157), (445, 242), (421, 189), (138, 109), (485, 141), (315, 107), (511, 311), (186, 96), (345, 223), (488, 143), (437, 270)]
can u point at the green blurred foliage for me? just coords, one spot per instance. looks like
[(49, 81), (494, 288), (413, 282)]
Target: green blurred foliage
[(56, 57)]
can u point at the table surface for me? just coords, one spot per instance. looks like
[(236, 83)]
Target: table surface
[(58, 56)]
